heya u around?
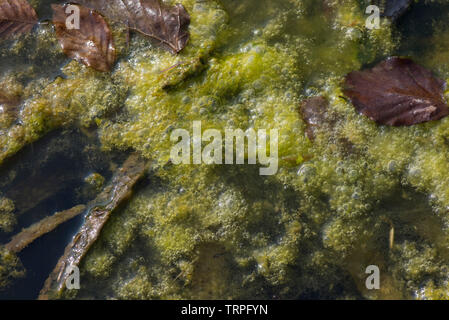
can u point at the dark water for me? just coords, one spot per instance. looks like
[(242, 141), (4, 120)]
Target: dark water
[(417, 27), (49, 177)]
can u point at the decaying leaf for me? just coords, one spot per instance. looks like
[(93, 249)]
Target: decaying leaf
[(99, 211), (166, 24), (46, 225), (16, 17), (91, 44), (397, 92)]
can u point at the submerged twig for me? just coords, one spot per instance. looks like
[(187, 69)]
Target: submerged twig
[(99, 211), (21, 240)]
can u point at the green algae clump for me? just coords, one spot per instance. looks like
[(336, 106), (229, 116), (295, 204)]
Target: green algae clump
[(7, 217), (10, 268)]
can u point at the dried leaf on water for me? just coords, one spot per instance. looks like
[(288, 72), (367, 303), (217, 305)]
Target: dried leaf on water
[(91, 44), (16, 17), (397, 92), (99, 211), (166, 24)]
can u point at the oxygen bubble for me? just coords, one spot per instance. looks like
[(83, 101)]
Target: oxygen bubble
[(185, 99), (306, 172), (392, 166)]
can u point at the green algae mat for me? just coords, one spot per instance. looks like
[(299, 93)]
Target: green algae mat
[(120, 179)]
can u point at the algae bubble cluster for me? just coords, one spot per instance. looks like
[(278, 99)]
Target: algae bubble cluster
[(224, 232)]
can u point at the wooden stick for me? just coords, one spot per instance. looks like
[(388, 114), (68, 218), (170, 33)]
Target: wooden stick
[(99, 211), (21, 240)]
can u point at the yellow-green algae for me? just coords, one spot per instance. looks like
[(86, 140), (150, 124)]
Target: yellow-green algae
[(224, 231), (10, 267), (95, 180), (7, 217)]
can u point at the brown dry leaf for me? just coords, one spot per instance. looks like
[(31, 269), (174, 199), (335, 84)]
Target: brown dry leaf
[(397, 92), (91, 44), (16, 17), (166, 24)]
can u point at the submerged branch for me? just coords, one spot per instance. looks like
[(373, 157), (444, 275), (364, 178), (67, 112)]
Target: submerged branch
[(21, 240), (98, 212)]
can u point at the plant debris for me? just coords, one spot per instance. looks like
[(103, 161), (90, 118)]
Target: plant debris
[(166, 24), (92, 44), (99, 211), (397, 92), (21, 240), (16, 17)]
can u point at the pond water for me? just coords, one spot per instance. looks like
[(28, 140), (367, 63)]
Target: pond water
[(352, 195)]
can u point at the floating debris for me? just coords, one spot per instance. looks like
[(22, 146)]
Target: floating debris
[(166, 24), (46, 225), (91, 43), (397, 92), (98, 212), (16, 17)]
